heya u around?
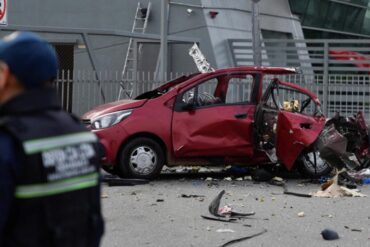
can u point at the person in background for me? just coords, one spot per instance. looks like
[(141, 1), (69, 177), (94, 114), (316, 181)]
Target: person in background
[(49, 173)]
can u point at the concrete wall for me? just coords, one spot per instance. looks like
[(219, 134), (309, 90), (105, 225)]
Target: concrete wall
[(233, 21), (113, 15)]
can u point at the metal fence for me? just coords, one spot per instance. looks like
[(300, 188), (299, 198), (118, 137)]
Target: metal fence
[(81, 91)]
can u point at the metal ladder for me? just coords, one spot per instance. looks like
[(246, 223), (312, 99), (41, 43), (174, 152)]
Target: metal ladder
[(139, 26)]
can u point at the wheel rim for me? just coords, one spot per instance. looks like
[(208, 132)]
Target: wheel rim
[(314, 157), (143, 160)]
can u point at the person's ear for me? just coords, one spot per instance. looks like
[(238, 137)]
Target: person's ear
[(4, 75)]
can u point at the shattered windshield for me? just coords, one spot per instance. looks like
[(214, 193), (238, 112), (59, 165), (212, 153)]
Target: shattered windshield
[(288, 99), (165, 88)]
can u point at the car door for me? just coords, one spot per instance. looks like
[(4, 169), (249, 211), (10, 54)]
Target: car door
[(288, 119), (214, 118)]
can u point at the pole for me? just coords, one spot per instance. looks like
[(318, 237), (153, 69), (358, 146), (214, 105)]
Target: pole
[(257, 55), (164, 39)]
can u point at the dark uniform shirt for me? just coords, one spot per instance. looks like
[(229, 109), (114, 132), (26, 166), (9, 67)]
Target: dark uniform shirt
[(9, 169), (11, 164)]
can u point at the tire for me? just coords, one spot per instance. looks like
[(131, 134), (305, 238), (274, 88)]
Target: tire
[(306, 165), (141, 158)]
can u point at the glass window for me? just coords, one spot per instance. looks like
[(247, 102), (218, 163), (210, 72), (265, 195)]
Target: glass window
[(239, 89), (225, 89), (298, 6), (316, 13), (291, 100)]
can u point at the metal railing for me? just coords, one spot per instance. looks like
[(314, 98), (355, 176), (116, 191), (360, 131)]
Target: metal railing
[(345, 93)]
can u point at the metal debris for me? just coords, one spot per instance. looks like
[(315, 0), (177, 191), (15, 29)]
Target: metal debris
[(191, 196), (215, 204), (214, 208), (229, 220), (244, 238), (286, 192)]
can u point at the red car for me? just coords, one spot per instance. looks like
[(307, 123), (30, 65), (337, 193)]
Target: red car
[(219, 117)]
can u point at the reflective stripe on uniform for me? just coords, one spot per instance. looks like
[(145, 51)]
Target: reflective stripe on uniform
[(39, 145), (54, 188)]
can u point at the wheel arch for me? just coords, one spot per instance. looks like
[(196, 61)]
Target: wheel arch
[(146, 135)]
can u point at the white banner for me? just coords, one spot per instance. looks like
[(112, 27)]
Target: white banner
[(3, 12)]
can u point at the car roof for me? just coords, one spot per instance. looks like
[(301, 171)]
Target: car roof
[(264, 70)]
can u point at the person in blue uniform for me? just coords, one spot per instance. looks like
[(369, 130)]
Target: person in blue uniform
[(49, 173)]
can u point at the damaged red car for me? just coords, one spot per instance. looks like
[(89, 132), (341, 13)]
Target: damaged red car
[(216, 118)]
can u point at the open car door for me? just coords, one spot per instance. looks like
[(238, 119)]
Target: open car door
[(288, 121)]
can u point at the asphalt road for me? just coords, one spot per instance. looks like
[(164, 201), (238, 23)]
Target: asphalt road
[(156, 215)]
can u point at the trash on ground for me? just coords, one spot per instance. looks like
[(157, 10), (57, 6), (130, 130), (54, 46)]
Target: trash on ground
[(215, 204), (329, 234), (244, 238), (335, 190), (104, 196), (160, 200), (225, 230), (286, 192), (116, 181), (301, 214), (214, 208), (191, 196), (225, 210), (229, 220), (237, 170)]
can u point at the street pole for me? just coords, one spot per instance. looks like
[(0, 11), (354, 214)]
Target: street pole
[(256, 40), (163, 48)]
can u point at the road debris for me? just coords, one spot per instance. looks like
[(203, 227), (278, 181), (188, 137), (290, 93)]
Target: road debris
[(286, 192), (332, 189), (116, 181), (301, 214), (225, 230), (329, 234), (244, 238), (229, 220), (226, 211), (104, 196), (191, 196)]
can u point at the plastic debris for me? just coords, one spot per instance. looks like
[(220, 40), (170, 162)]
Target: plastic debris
[(225, 210), (244, 238), (334, 190), (214, 208), (301, 214), (329, 234), (104, 196)]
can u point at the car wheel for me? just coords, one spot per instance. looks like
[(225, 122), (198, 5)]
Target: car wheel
[(313, 166), (141, 158)]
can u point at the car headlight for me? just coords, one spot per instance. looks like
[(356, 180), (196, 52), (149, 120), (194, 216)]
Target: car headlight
[(110, 119)]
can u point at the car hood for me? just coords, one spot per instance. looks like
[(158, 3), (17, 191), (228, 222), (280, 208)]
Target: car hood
[(112, 107)]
